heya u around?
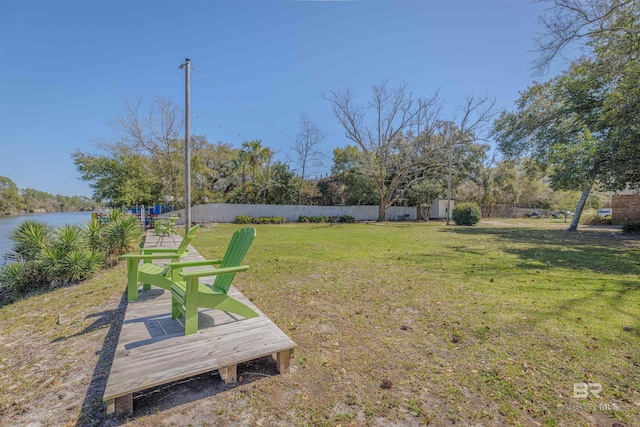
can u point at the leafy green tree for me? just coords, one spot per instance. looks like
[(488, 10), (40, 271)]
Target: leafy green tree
[(470, 191), (561, 124), (214, 177), (422, 194), (283, 188), (348, 185), (311, 194), (9, 197), (35, 200), (253, 167), (504, 184), (584, 122), (121, 178)]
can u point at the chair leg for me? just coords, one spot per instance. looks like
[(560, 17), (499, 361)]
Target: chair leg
[(191, 307), (132, 279), (191, 319), (231, 305)]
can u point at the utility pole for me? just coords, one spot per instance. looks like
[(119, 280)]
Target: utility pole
[(449, 188), (187, 151)]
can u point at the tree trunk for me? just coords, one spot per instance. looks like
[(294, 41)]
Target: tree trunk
[(382, 212), (579, 208)]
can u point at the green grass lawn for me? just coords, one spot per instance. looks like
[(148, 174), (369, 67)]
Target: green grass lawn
[(486, 324), (396, 323)]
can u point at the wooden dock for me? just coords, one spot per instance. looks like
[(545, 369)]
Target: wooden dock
[(153, 350)]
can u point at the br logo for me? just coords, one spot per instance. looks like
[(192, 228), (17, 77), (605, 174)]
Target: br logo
[(582, 390)]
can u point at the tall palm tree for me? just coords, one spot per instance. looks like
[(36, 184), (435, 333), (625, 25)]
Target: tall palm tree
[(254, 165)]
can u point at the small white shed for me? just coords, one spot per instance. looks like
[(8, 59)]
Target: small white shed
[(439, 209)]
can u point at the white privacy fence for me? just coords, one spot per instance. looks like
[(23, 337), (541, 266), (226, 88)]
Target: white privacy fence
[(227, 212)]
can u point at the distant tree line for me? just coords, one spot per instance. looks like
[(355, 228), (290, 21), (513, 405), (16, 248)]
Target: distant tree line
[(401, 152), (407, 159), (15, 201)]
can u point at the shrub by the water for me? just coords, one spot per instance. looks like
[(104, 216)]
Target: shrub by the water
[(67, 254), (466, 213)]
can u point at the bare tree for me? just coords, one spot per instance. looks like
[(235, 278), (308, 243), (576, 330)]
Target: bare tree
[(155, 132), (461, 136), (581, 21), (306, 148), (393, 143)]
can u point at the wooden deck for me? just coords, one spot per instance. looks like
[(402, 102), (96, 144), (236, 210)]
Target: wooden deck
[(153, 350)]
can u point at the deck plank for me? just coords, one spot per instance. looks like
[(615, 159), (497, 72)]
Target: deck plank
[(152, 349)]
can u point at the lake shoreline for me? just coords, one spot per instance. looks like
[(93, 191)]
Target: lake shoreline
[(40, 211), (9, 222)]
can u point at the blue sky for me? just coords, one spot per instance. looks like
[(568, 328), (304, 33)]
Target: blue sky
[(64, 66)]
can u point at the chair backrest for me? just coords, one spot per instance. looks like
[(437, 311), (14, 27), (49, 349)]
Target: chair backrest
[(186, 241), (237, 249)]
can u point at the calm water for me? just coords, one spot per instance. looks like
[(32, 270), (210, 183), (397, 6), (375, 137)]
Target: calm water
[(9, 223)]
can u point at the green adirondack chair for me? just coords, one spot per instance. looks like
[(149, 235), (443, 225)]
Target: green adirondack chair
[(153, 274), (187, 293)]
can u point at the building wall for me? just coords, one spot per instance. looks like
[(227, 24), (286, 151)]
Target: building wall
[(625, 208), (439, 209), (227, 212)]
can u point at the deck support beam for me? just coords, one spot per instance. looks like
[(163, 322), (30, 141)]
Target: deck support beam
[(229, 374), (283, 361), (124, 405)]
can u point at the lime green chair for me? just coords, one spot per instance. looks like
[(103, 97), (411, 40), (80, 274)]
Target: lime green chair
[(153, 274), (187, 293)]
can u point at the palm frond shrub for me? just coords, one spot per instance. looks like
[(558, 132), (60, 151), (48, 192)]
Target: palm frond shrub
[(67, 254), (17, 279), (50, 263), (121, 236), (94, 261), (80, 264), (115, 214), (94, 233), (70, 237), (31, 237), (69, 259)]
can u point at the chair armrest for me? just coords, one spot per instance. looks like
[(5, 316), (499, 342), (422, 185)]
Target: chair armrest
[(199, 263), (214, 271), (150, 257), (159, 250)]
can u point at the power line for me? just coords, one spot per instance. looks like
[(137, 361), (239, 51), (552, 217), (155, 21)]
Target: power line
[(268, 123)]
